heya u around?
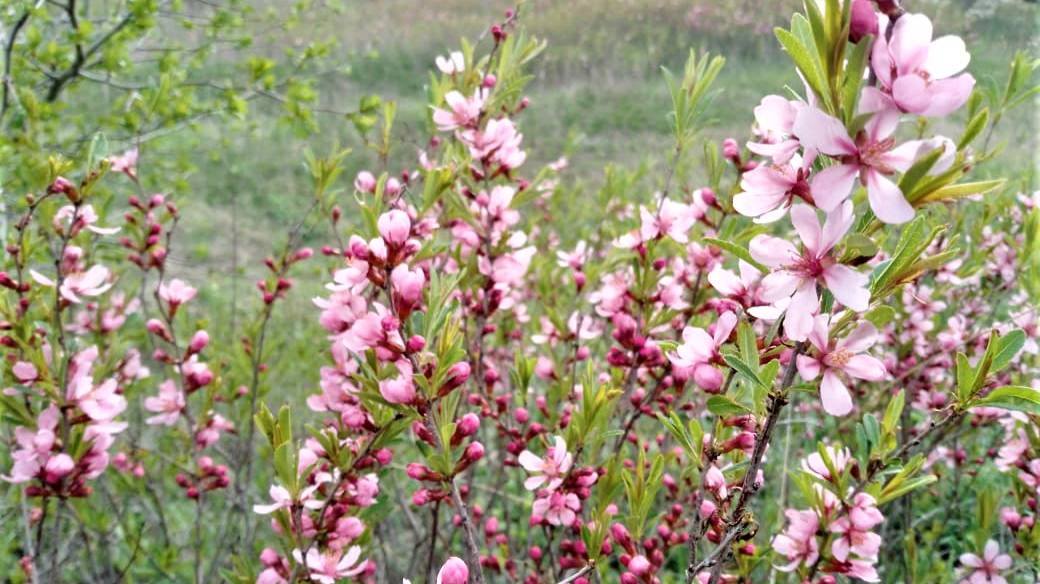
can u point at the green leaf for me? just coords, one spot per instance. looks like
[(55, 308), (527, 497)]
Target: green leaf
[(806, 62), (722, 405), (965, 376), (974, 128), (740, 252), (1007, 347), (892, 491), (1017, 398), (914, 240), (962, 190), (745, 370)]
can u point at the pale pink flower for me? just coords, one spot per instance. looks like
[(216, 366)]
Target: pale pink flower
[(464, 112), (80, 217), (454, 63), (93, 282), (407, 286), (25, 371), (365, 182), (125, 163), (871, 157), (399, 389), (34, 446), (333, 565), (573, 259), (986, 570), (769, 190), (550, 470), (498, 143), (843, 356), (672, 219), (176, 292), (167, 405), (839, 458), (774, 118), (454, 571), (797, 273), (920, 73), (557, 509), (100, 403), (853, 530), (798, 542)]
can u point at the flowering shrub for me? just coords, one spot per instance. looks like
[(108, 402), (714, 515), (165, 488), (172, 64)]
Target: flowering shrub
[(817, 365)]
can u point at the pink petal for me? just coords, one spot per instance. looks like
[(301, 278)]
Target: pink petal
[(803, 217), (778, 285), (947, 56), (848, 286), (808, 367), (775, 113), (911, 39), (832, 185), (822, 132), (911, 93), (835, 227), (835, 397), (949, 94), (772, 251), (865, 367), (886, 200), (971, 560), (860, 339)]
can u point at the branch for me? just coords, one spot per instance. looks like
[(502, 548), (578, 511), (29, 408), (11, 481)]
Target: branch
[(8, 50)]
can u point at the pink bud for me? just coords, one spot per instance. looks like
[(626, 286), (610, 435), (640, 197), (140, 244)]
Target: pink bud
[(198, 341), (365, 182), (397, 390), (454, 571), (394, 227), (468, 425), (58, 467), (639, 565), (393, 187), (474, 452), (863, 20), (708, 378)]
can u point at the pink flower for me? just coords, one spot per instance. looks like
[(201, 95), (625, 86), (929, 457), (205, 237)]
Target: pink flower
[(331, 566), (557, 509), (400, 389), (919, 72), (394, 227), (454, 571), (986, 570), (797, 273), (176, 292), (100, 403), (839, 458), (798, 542), (498, 143), (80, 217), (125, 163), (768, 190), (454, 63), (672, 219), (871, 156), (699, 351), (853, 530), (25, 371), (167, 405), (549, 471), (93, 282), (775, 117), (34, 446), (842, 356), (715, 482), (464, 113)]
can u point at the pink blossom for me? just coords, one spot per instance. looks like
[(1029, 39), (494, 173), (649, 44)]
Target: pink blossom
[(464, 112), (715, 482), (454, 571), (365, 182), (843, 356), (498, 143), (167, 405), (394, 227), (839, 459), (798, 542), (407, 287), (93, 282), (25, 371), (34, 447), (853, 530), (454, 63), (80, 217), (872, 157), (125, 163), (986, 570), (333, 565), (100, 403), (672, 219), (768, 190), (774, 117), (549, 471), (918, 72), (556, 508), (400, 389), (176, 292), (797, 273)]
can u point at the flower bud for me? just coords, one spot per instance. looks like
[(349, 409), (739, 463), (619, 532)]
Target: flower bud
[(198, 341), (454, 571), (863, 20)]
